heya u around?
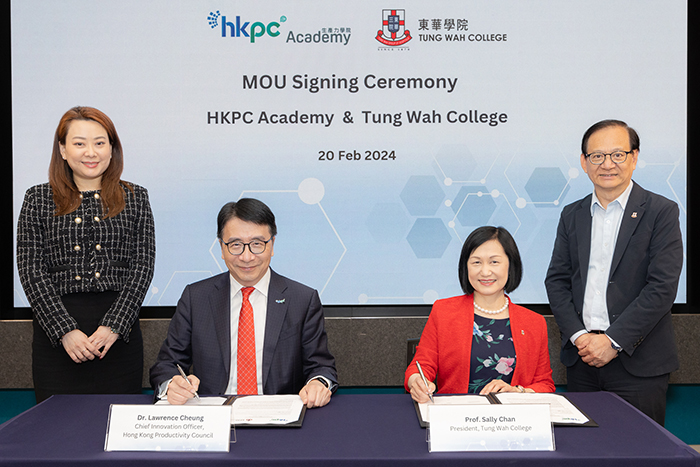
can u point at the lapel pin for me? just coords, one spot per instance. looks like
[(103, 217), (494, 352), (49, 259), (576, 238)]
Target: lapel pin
[(281, 301), (634, 215), (522, 331)]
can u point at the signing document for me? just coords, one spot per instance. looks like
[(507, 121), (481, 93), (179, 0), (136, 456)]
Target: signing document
[(281, 409), (473, 399), (215, 400), (561, 410)]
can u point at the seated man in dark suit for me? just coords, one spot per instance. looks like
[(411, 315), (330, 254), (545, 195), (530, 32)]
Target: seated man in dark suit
[(249, 330)]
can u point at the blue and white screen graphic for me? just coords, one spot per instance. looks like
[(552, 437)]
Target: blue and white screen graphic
[(379, 133)]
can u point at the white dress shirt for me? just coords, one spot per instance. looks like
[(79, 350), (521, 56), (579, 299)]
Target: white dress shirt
[(605, 227), (258, 299)]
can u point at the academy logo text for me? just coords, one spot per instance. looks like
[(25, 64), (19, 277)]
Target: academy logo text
[(237, 27)]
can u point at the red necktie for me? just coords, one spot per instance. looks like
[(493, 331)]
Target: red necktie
[(246, 369)]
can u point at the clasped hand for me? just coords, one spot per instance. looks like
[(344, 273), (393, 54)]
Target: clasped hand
[(595, 349), (81, 348)]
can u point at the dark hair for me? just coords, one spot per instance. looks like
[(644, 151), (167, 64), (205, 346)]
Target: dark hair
[(477, 238), (634, 137), (249, 210), (65, 193)]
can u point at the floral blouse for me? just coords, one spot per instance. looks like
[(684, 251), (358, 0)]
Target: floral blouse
[(493, 352)]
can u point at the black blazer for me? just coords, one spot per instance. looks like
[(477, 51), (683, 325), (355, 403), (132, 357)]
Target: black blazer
[(85, 252), (642, 284), (295, 349)]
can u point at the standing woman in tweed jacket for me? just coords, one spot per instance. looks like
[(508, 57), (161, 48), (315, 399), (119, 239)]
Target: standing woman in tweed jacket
[(85, 255)]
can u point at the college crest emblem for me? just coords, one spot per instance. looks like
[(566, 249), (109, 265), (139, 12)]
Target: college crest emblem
[(393, 30)]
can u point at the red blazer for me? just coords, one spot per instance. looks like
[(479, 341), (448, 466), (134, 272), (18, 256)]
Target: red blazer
[(446, 345)]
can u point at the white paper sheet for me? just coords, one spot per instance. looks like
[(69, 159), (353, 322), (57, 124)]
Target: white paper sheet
[(473, 399), (267, 410), (561, 409)]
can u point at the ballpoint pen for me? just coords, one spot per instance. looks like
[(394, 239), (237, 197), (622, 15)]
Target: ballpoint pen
[(182, 373), (425, 381)]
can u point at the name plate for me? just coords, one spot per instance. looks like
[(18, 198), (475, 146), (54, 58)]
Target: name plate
[(168, 428), (490, 428)]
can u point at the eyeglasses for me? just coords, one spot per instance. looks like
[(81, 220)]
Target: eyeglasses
[(618, 157), (237, 247)]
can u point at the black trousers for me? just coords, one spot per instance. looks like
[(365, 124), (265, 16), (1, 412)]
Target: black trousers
[(648, 394)]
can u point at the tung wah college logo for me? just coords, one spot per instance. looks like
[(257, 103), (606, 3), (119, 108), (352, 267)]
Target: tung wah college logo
[(393, 32)]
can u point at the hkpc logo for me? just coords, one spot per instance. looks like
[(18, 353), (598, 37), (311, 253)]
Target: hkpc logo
[(239, 27)]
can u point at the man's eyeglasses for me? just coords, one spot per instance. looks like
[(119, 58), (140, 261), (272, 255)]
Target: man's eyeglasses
[(618, 157), (237, 247)]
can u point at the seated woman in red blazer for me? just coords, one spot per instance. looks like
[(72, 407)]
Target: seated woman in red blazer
[(480, 342)]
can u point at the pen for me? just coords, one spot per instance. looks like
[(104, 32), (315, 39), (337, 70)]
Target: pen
[(425, 381), (182, 373)]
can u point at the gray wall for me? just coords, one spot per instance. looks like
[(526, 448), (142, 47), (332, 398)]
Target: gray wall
[(368, 351)]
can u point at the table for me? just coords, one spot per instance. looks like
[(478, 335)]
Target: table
[(351, 430)]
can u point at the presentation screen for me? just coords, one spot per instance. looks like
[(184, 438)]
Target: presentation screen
[(380, 134)]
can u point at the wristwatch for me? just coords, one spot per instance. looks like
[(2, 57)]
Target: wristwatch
[(322, 381), (614, 345)]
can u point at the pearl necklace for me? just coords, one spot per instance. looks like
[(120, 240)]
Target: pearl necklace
[(492, 312)]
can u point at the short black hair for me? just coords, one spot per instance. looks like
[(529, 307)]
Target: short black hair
[(246, 209), (477, 238), (633, 136)]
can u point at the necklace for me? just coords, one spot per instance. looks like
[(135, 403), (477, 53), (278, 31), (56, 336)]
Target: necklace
[(492, 312)]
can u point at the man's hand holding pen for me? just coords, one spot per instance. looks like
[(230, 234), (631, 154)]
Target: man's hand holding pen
[(180, 390)]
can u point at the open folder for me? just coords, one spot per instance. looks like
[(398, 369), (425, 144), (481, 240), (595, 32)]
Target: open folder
[(282, 410), (563, 411)]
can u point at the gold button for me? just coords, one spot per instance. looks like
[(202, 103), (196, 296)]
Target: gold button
[(77, 278), (97, 196), (76, 247), (81, 196), (97, 219), (78, 220), (98, 247), (97, 274)]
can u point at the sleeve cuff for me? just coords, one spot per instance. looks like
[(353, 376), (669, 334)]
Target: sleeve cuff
[(614, 344), (577, 335), (162, 390), (326, 382)]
